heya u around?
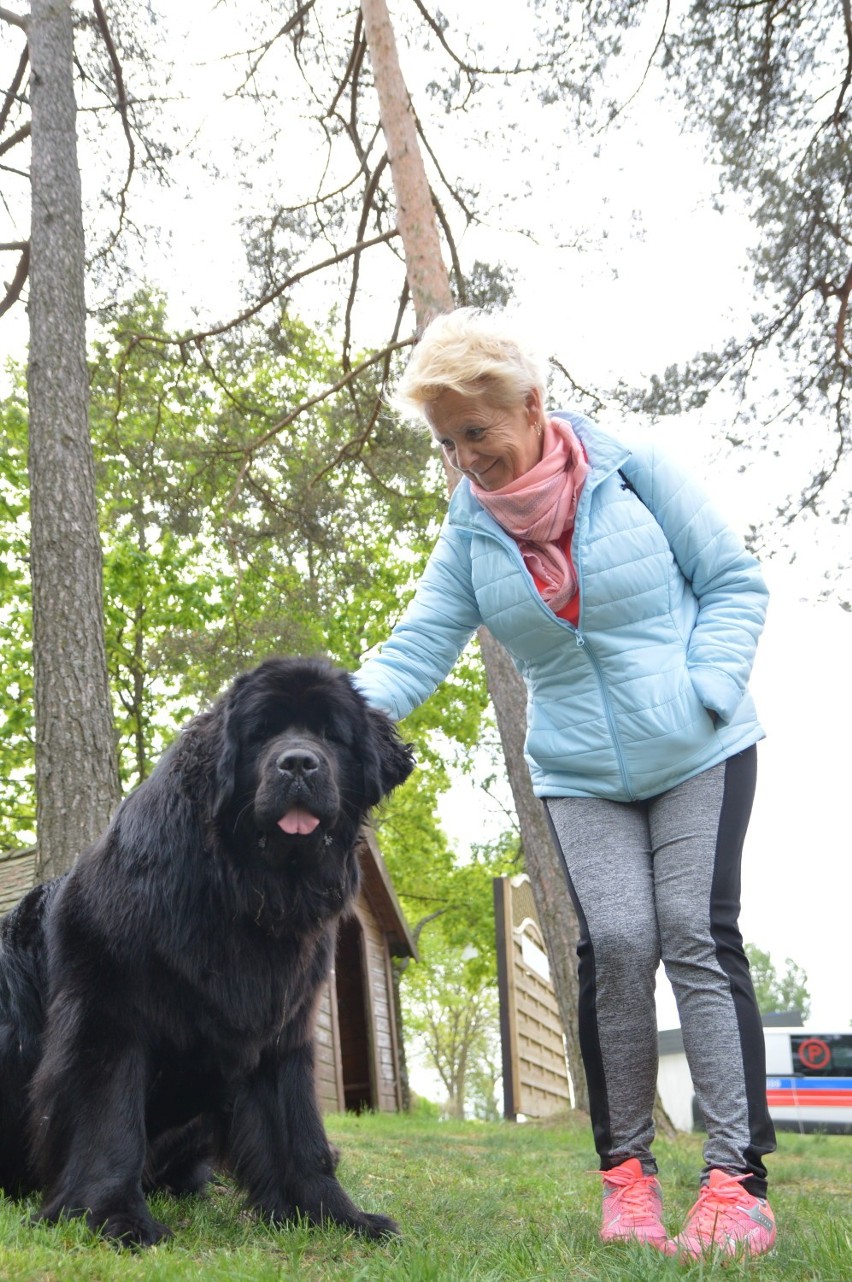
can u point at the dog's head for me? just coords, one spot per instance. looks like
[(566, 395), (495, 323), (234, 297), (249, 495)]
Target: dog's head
[(301, 754)]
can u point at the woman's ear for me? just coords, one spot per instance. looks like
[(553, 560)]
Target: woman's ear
[(535, 407)]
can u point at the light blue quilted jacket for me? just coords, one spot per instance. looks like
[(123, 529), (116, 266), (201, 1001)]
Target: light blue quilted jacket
[(671, 608)]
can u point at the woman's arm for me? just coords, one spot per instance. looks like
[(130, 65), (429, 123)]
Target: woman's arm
[(436, 626), (726, 579)]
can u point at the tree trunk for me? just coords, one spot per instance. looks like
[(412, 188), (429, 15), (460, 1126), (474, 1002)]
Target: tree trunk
[(76, 774), (424, 265), (430, 292)]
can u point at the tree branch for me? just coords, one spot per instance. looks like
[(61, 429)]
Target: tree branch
[(12, 91), (808, 497), (660, 38), (424, 921), (121, 108), (13, 292), (366, 206), (468, 213), (18, 136), (451, 244), (164, 340), (14, 19), (840, 348), (837, 118), (262, 50), (356, 56), (471, 69), (330, 390), (592, 396)]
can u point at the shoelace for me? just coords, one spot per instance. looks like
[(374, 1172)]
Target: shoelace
[(638, 1197), (715, 1206)]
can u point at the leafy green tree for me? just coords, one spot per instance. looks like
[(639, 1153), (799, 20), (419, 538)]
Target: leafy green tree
[(249, 524), (448, 898), (776, 990), (228, 534), (17, 731), (455, 1018)]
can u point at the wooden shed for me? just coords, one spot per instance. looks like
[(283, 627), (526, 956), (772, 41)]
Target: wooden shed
[(357, 1034)]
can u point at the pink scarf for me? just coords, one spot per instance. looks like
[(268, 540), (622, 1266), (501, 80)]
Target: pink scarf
[(538, 508)]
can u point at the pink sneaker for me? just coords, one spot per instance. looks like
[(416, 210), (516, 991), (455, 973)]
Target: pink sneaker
[(632, 1206), (727, 1219)]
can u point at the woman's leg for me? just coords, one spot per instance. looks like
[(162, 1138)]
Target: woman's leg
[(606, 849), (697, 833)]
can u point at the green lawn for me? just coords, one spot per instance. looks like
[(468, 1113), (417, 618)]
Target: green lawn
[(491, 1202)]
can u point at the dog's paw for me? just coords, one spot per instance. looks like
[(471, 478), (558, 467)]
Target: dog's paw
[(128, 1229)]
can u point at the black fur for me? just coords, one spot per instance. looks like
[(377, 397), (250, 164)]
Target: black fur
[(157, 1002)]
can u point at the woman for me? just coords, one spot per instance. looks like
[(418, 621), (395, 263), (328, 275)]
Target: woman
[(632, 612)]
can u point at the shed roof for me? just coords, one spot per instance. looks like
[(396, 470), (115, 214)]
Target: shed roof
[(377, 885), (17, 876)]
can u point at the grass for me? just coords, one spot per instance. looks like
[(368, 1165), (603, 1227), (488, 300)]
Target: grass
[(477, 1203)]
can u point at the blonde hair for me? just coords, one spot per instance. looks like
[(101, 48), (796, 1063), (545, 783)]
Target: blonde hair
[(471, 352)]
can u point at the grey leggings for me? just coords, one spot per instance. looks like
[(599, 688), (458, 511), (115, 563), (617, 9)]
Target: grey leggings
[(660, 879)]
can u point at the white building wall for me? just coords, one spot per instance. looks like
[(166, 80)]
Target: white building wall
[(674, 1083)]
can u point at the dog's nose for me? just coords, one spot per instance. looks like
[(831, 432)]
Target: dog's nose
[(297, 761)]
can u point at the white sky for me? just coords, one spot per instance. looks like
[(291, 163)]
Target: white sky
[(658, 289)]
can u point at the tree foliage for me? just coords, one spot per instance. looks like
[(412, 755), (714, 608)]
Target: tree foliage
[(17, 731), (227, 537), (455, 1021), (776, 990)]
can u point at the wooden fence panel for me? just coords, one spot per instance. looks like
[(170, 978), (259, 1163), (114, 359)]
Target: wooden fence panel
[(536, 1081)]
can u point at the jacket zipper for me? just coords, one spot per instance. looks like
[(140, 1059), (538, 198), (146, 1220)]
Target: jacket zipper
[(616, 742), (593, 659), (581, 642)]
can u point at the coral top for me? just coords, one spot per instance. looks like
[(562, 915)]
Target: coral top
[(570, 612)]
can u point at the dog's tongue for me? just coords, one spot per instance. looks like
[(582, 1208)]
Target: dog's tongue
[(298, 821)]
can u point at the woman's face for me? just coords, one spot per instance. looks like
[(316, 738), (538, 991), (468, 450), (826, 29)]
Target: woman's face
[(490, 444)]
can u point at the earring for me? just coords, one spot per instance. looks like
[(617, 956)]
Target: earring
[(538, 427)]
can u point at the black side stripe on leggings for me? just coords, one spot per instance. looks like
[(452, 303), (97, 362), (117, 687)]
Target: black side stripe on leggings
[(740, 780)]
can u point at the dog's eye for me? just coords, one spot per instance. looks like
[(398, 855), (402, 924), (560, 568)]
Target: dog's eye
[(341, 735)]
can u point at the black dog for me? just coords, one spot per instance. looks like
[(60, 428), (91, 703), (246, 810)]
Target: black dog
[(157, 1002)]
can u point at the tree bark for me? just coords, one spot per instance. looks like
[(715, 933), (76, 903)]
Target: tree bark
[(76, 772), (424, 264), (431, 294)]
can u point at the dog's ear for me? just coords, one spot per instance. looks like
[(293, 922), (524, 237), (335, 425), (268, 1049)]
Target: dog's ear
[(228, 748), (390, 761)]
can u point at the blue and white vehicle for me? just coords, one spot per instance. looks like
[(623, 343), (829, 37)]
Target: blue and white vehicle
[(809, 1079)]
